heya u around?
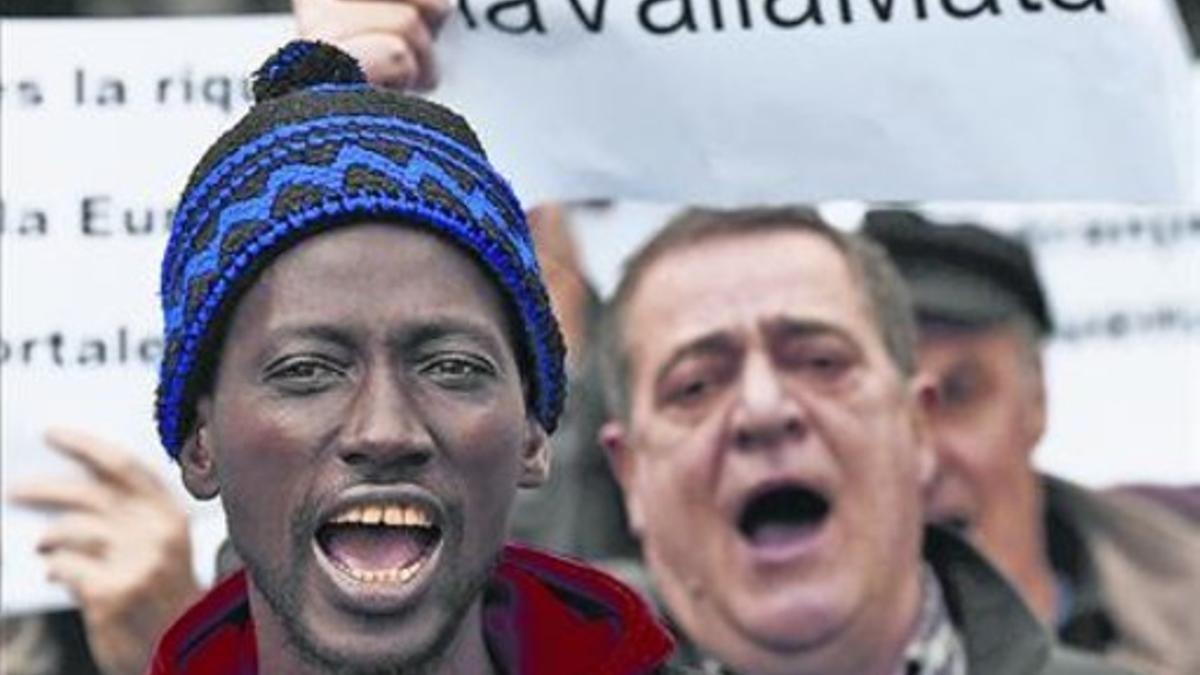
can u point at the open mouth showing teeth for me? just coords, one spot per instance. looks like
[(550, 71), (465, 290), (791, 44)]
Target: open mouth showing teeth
[(380, 543), (782, 514)]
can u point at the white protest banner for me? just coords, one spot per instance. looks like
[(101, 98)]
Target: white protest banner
[(723, 101), (102, 120)]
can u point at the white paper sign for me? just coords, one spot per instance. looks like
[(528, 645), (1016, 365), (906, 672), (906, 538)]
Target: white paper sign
[(722, 101), (102, 120)]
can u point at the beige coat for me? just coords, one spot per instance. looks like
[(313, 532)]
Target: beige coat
[(1146, 559)]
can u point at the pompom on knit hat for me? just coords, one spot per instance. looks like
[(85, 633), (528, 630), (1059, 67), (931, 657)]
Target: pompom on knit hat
[(321, 148)]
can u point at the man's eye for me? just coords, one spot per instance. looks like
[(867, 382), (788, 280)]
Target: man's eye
[(957, 391), (692, 389), (457, 371), (304, 375), (696, 381), (689, 391), (826, 365)]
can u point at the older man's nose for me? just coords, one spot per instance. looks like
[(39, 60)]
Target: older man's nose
[(765, 414)]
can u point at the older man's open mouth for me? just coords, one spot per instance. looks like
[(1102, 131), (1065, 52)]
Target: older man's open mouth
[(782, 520)]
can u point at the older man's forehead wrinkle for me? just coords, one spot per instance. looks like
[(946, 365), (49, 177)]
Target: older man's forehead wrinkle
[(686, 294), (786, 326), (729, 342)]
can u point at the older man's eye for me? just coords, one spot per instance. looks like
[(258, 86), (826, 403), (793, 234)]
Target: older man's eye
[(687, 392), (690, 390), (826, 365), (821, 358)]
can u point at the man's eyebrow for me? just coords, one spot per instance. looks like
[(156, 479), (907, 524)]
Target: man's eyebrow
[(427, 330), (789, 327), (711, 344), (441, 327), (277, 338), (320, 332)]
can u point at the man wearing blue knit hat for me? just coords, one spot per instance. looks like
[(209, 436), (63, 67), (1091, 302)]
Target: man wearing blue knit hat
[(362, 362)]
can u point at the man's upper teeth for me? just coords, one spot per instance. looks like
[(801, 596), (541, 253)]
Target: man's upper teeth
[(385, 514)]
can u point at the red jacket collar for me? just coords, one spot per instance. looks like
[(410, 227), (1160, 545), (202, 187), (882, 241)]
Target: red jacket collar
[(215, 635), (543, 615)]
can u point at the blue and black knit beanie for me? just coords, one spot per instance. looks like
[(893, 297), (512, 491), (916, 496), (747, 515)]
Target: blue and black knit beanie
[(321, 148)]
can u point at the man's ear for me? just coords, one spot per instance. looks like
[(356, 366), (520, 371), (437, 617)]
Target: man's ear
[(197, 462), (535, 457), (926, 399), (613, 438)]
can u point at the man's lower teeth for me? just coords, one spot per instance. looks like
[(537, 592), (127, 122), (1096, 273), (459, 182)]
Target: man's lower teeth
[(401, 575)]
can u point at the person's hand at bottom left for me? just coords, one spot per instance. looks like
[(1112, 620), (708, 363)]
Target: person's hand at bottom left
[(120, 544)]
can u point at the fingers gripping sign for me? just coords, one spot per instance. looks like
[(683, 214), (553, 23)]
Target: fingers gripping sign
[(392, 39), (119, 544)]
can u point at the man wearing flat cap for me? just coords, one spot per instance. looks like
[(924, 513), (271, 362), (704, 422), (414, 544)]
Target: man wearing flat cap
[(1112, 574)]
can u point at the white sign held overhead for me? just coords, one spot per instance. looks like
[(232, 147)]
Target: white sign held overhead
[(781, 100), (102, 120), (744, 100)]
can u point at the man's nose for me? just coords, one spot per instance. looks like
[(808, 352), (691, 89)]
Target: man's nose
[(766, 414), (384, 427)]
